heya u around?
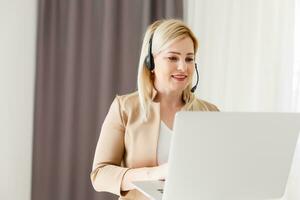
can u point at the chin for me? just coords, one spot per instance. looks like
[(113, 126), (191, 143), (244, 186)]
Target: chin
[(178, 89), (181, 86)]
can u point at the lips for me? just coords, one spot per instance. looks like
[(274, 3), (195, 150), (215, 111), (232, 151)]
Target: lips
[(179, 77)]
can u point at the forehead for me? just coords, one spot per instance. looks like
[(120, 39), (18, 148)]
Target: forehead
[(183, 45)]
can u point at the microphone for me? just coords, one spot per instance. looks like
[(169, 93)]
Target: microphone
[(194, 88)]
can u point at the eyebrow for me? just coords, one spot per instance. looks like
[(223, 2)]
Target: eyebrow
[(175, 52)]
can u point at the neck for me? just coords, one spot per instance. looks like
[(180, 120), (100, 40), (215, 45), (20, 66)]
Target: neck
[(172, 100)]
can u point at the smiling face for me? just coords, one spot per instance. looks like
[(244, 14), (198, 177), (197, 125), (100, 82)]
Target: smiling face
[(174, 66)]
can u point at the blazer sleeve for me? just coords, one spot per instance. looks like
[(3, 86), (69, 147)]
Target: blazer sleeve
[(107, 173)]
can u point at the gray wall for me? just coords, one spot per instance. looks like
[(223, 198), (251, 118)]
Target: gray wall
[(17, 72)]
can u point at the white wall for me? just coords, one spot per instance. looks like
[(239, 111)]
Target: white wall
[(18, 19), (245, 58)]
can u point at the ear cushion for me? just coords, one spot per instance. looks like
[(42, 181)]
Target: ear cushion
[(149, 62)]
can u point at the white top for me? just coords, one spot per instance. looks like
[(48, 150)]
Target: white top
[(164, 141)]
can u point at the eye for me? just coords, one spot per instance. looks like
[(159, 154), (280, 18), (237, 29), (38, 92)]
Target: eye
[(172, 58), (189, 60)]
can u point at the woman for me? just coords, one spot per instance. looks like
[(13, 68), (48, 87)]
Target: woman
[(135, 136)]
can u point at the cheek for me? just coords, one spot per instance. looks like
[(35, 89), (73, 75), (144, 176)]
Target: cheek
[(162, 74), (191, 71)]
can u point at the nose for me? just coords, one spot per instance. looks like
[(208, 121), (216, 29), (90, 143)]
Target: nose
[(182, 66)]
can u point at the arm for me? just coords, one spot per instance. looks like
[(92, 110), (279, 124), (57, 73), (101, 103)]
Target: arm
[(107, 175), (143, 174)]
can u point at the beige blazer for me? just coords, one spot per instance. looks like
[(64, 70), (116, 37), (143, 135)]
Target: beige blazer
[(126, 141)]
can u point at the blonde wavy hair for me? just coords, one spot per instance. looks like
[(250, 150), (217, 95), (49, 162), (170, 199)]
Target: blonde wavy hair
[(164, 33)]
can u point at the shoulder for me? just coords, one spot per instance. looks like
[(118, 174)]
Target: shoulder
[(129, 103), (130, 99), (129, 106), (122, 107), (200, 104)]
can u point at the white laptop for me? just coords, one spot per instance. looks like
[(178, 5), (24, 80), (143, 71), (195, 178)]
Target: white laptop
[(228, 156)]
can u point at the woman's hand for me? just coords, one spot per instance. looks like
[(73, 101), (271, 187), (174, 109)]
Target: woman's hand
[(160, 172), (143, 174)]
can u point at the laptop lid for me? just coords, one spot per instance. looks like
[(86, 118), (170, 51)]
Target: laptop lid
[(231, 156)]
